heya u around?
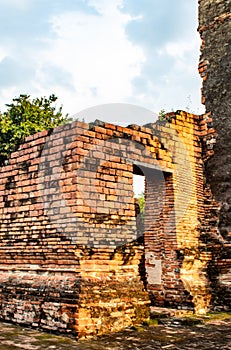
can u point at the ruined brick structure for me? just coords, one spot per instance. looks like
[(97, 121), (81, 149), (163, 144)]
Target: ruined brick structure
[(215, 69), (70, 256)]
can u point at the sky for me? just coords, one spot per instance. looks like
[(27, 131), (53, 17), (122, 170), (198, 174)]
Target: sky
[(102, 52)]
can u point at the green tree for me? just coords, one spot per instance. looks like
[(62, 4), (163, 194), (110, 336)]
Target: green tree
[(25, 117), (140, 204), (141, 201), (161, 115)]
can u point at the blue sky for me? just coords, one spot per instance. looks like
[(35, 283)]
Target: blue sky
[(91, 52)]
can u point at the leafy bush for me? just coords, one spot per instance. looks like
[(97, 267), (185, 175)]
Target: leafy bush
[(25, 117)]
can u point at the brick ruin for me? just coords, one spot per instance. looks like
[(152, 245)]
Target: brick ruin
[(72, 257), (215, 70)]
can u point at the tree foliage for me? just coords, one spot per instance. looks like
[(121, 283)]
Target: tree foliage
[(140, 206), (25, 117), (162, 114), (141, 201)]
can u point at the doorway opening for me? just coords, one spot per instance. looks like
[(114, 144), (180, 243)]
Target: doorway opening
[(139, 198)]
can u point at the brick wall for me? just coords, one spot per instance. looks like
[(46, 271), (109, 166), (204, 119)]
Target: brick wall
[(215, 70), (71, 258)]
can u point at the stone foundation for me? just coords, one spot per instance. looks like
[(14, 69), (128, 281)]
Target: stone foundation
[(110, 297)]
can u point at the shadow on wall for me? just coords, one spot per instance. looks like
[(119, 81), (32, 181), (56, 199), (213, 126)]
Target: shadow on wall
[(215, 237)]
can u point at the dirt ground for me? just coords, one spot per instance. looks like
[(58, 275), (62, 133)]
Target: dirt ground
[(170, 335)]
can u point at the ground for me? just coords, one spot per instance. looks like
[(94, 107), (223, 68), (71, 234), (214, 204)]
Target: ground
[(171, 334)]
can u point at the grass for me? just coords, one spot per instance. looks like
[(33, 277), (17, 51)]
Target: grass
[(188, 319)]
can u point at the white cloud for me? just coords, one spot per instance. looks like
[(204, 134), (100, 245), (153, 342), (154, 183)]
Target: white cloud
[(22, 4), (178, 49), (106, 7), (94, 50), (176, 85), (3, 53)]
